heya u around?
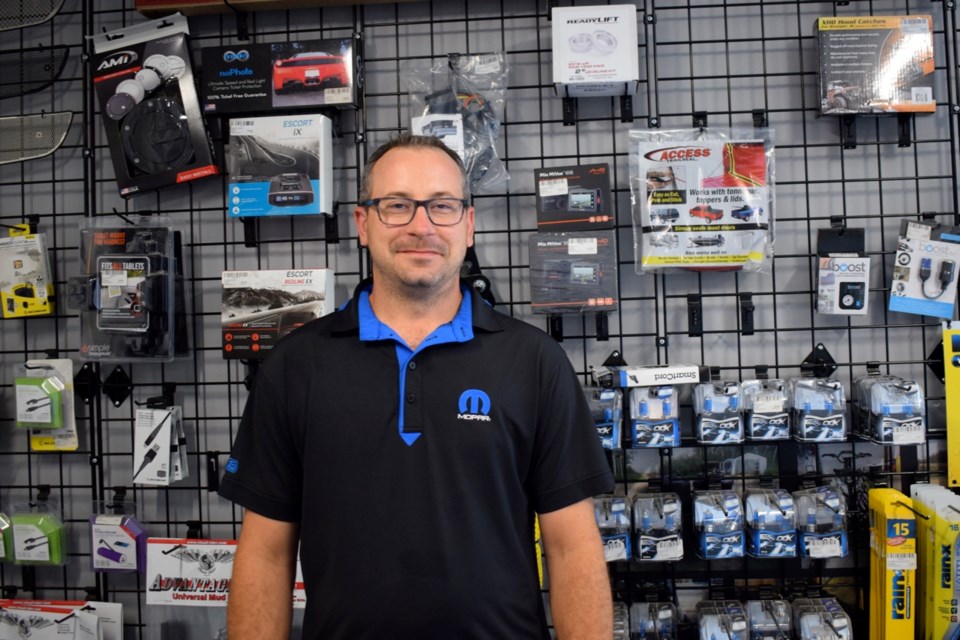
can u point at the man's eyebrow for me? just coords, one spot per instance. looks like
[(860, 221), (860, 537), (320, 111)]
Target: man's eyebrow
[(435, 194)]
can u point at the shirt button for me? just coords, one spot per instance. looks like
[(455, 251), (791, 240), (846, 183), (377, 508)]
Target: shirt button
[(411, 398), (412, 365)]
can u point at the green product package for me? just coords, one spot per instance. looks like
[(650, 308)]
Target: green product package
[(6, 539), (39, 402), (39, 537)]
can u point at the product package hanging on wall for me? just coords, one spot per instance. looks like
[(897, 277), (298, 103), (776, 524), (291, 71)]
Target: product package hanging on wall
[(459, 99), (39, 534), (130, 294), (143, 79), (925, 269), (6, 539), (26, 288), (574, 272), (45, 404), (703, 199), (159, 455), (118, 540)]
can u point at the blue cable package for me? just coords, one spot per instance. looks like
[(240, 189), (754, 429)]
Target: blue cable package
[(613, 519), (821, 523), (717, 406), (657, 519), (818, 409), (771, 523), (718, 518), (722, 620), (606, 407), (653, 621), (654, 417), (769, 619), (765, 410), (889, 410)]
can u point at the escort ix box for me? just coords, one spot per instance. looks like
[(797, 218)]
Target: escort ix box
[(876, 64), (260, 307), (280, 166), (256, 78), (144, 85), (595, 50), (574, 198)]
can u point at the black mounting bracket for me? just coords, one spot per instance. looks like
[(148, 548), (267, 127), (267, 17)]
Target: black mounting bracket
[(694, 315), (819, 362), (86, 383), (117, 386), (746, 314)]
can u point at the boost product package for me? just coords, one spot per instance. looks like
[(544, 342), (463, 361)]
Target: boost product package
[(145, 88), (595, 50), (25, 285), (260, 307), (925, 269), (843, 277), (130, 294), (574, 198), (703, 199), (256, 78), (876, 64), (280, 166), (573, 272)]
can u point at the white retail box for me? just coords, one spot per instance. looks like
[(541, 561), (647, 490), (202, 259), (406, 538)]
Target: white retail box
[(595, 50)]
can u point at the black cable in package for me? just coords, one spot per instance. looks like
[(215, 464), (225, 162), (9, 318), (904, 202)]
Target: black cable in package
[(460, 100)]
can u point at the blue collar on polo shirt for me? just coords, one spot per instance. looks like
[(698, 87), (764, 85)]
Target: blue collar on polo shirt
[(459, 329)]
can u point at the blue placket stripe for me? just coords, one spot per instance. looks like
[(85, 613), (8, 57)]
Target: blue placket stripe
[(460, 329)]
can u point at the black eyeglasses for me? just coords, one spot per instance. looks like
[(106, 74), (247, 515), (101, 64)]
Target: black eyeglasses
[(397, 212)]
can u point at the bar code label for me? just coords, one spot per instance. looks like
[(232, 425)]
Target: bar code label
[(901, 561), (908, 434), (823, 547), (921, 94), (582, 246), (488, 64), (914, 25), (553, 187), (669, 550), (241, 127), (338, 95)]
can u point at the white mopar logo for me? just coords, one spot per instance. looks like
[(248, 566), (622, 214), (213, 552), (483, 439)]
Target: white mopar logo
[(474, 405)]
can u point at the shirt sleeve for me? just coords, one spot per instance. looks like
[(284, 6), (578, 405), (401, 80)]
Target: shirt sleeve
[(265, 470), (569, 462)]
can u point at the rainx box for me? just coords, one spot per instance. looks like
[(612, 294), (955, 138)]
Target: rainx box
[(145, 89), (258, 78)]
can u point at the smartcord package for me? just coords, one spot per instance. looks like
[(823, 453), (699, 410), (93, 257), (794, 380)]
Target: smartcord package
[(255, 78), (130, 296), (703, 199), (39, 534), (145, 87), (573, 272), (574, 198), (595, 50), (876, 64), (280, 166), (46, 405), (925, 269), (160, 446), (260, 307)]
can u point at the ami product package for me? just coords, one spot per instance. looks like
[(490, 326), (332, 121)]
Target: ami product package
[(145, 89)]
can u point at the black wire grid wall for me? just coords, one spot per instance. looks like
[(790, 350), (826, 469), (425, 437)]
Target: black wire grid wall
[(726, 61)]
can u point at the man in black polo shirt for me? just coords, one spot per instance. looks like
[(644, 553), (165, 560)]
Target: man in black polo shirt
[(406, 441)]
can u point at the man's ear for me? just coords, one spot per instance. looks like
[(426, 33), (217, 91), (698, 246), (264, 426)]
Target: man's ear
[(360, 218), (470, 225)]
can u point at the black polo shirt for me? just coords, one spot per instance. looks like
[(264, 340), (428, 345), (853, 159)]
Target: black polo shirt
[(414, 475)]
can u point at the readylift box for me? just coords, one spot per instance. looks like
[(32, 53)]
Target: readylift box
[(145, 87), (280, 166), (595, 50), (256, 78), (876, 64)]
